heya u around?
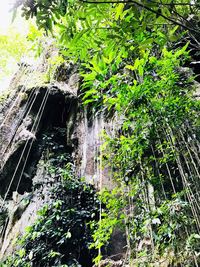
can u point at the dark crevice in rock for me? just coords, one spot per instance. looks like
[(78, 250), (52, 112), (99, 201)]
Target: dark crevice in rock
[(8, 171), (57, 113)]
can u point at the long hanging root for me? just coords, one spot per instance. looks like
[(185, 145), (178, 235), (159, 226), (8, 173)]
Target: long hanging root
[(167, 166), (193, 173), (194, 206), (184, 179), (9, 113), (25, 114), (159, 174), (34, 129)]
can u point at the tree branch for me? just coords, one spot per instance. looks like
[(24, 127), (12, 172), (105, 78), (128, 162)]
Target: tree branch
[(174, 4), (150, 1), (145, 7)]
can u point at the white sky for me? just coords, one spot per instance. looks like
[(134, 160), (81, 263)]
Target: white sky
[(5, 23), (6, 18), (5, 15)]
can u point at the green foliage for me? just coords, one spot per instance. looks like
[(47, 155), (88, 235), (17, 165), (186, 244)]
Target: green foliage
[(112, 217), (15, 46), (133, 74), (45, 11), (61, 235), (86, 30), (154, 104), (49, 12)]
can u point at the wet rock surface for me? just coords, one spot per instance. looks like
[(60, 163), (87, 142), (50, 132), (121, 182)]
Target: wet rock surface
[(111, 263), (35, 122)]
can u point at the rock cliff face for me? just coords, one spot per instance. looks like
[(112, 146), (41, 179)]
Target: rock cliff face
[(35, 122)]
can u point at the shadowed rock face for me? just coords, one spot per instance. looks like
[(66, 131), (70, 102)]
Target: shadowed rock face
[(29, 118), (28, 114), (22, 131), (34, 123)]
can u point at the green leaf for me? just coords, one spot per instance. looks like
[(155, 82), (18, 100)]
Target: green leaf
[(119, 11), (141, 70), (165, 11), (130, 67), (68, 235), (30, 256)]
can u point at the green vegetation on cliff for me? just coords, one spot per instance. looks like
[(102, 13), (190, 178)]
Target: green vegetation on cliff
[(61, 236), (132, 57)]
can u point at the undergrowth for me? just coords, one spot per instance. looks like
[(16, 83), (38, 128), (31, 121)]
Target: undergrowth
[(61, 235)]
